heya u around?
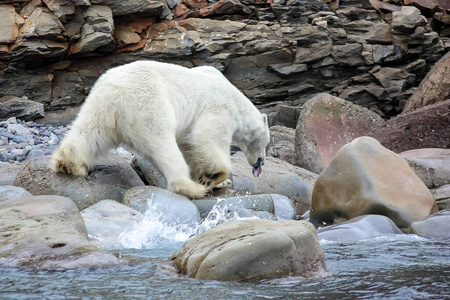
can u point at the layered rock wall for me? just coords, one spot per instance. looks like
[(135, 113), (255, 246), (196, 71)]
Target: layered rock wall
[(52, 51)]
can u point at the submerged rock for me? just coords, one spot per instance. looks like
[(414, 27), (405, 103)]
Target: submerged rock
[(252, 250), (106, 220), (47, 232), (366, 178), (174, 209), (109, 178), (359, 228)]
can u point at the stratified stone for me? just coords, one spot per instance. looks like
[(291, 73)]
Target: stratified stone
[(366, 178), (435, 87), (23, 109), (130, 7), (252, 249), (11, 22), (327, 123), (96, 32)]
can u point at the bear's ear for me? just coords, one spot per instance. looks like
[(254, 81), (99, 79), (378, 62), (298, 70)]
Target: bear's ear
[(264, 119)]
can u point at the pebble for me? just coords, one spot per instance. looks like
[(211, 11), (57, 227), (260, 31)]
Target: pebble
[(20, 140)]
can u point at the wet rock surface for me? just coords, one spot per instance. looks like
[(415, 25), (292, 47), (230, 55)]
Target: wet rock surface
[(246, 250), (47, 232)]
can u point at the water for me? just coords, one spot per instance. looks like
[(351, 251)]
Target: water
[(386, 267)]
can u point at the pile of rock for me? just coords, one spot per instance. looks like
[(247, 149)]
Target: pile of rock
[(273, 51), (20, 140)]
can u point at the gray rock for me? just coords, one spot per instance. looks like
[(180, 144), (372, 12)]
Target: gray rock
[(252, 249), (282, 143), (431, 165), (106, 220), (278, 177), (174, 209), (284, 208), (96, 32), (120, 8), (21, 108), (148, 171), (442, 196), (9, 192), (243, 206), (435, 226), (359, 228), (47, 232), (110, 178)]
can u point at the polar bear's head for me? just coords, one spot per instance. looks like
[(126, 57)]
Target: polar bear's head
[(256, 143)]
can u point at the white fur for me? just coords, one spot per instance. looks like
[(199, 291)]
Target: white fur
[(183, 120)]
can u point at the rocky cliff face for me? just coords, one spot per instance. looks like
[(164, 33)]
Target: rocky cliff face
[(372, 53)]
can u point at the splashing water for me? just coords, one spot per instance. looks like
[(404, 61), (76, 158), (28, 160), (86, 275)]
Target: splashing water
[(157, 228)]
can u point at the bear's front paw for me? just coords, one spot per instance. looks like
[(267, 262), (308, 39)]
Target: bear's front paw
[(225, 184)]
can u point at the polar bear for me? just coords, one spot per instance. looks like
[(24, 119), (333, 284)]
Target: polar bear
[(182, 120)]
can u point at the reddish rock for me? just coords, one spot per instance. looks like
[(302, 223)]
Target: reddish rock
[(366, 178), (426, 127), (181, 11), (326, 123), (435, 87)]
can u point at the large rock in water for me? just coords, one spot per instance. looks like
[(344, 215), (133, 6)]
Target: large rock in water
[(366, 178), (435, 87), (426, 127), (47, 232), (110, 178), (326, 123), (252, 249)]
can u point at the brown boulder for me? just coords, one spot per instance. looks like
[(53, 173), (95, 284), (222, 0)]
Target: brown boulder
[(252, 249), (326, 123), (426, 127), (435, 87), (366, 178)]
